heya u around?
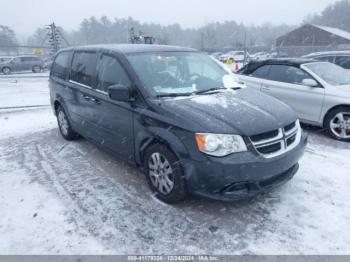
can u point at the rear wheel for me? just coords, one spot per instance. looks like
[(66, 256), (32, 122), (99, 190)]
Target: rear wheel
[(337, 124), (65, 127), (164, 174), (6, 70), (36, 69)]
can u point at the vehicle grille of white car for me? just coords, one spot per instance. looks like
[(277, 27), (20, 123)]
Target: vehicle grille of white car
[(277, 142)]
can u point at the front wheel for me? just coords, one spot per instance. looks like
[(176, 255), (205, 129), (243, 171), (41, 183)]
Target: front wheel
[(337, 124), (6, 71), (65, 127), (164, 174)]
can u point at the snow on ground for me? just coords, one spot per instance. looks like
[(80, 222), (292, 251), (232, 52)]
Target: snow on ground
[(24, 121), (74, 198), (18, 91)]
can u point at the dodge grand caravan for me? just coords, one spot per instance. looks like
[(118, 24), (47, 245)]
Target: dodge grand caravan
[(176, 114)]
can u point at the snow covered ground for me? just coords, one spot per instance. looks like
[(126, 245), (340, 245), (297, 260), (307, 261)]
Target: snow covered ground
[(59, 197)]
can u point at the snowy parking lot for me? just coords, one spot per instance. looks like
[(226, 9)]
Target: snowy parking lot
[(59, 197)]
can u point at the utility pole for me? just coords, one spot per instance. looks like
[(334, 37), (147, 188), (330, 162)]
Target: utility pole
[(55, 37)]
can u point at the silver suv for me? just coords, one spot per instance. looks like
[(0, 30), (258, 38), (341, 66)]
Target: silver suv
[(22, 63), (318, 91)]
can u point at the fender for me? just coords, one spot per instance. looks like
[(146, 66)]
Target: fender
[(154, 134)]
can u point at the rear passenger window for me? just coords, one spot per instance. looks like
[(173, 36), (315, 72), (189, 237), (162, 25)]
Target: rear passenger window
[(59, 67), (110, 72), (84, 68), (343, 61), (261, 72)]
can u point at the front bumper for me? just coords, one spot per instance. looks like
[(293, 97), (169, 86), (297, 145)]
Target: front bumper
[(241, 175)]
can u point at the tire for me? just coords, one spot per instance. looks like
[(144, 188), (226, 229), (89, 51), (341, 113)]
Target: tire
[(165, 177), (337, 124), (64, 125), (6, 70), (36, 69)]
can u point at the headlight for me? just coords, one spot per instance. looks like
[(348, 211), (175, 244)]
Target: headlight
[(220, 145)]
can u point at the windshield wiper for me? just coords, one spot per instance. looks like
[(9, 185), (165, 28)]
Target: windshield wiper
[(173, 95), (209, 90)]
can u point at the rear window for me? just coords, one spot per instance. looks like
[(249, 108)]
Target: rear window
[(84, 68), (60, 67)]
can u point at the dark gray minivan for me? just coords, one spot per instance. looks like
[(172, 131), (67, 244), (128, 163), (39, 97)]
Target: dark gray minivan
[(169, 111)]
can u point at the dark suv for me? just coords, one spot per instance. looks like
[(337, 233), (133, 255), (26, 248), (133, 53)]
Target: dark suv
[(168, 110), (22, 63)]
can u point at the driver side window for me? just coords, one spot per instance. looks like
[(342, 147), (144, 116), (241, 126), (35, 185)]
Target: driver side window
[(288, 74), (110, 72)]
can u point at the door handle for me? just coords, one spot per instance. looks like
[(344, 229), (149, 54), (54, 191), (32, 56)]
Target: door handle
[(91, 99), (87, 98), (96, 101)]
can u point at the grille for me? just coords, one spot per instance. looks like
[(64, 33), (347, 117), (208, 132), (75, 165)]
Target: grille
[(277, 142), (270, 148), (264, 136), (289, 127)]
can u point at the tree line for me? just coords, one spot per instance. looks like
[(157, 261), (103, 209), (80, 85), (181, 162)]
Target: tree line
[(212, 36)]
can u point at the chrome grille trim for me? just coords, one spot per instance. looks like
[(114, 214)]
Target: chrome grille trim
[(281, 139)]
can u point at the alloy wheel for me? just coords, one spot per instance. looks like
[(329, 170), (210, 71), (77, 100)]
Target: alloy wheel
[(63, 122), (340, 125), (161, 173)]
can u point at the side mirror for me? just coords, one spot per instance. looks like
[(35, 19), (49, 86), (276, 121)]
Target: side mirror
[(120, 93), (310, 83)]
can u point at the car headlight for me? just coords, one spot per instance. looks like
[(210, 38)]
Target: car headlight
[(220, 145)]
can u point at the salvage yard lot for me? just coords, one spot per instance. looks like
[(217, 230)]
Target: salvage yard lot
[(74, 198)]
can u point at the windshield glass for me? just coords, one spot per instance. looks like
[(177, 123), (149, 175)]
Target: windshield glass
[(177, 73), (331, 73)]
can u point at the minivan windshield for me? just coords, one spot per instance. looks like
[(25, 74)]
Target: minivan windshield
[(331, 73), (177, 73)]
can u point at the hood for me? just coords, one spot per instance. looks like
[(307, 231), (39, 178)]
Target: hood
[(345, 88), (244, 112), (342, 93)]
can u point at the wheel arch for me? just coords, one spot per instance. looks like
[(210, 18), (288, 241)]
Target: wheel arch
[(158, 136), (332, 109), (3, 67)]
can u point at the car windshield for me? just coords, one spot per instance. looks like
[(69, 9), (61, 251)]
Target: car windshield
[(177, 73), (331, 73)]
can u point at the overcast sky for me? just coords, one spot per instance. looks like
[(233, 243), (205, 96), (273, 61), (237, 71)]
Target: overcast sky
[(25, 16)]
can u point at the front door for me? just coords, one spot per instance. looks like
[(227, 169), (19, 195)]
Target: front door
[(285, 83), (254, 80), (113, 119)]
